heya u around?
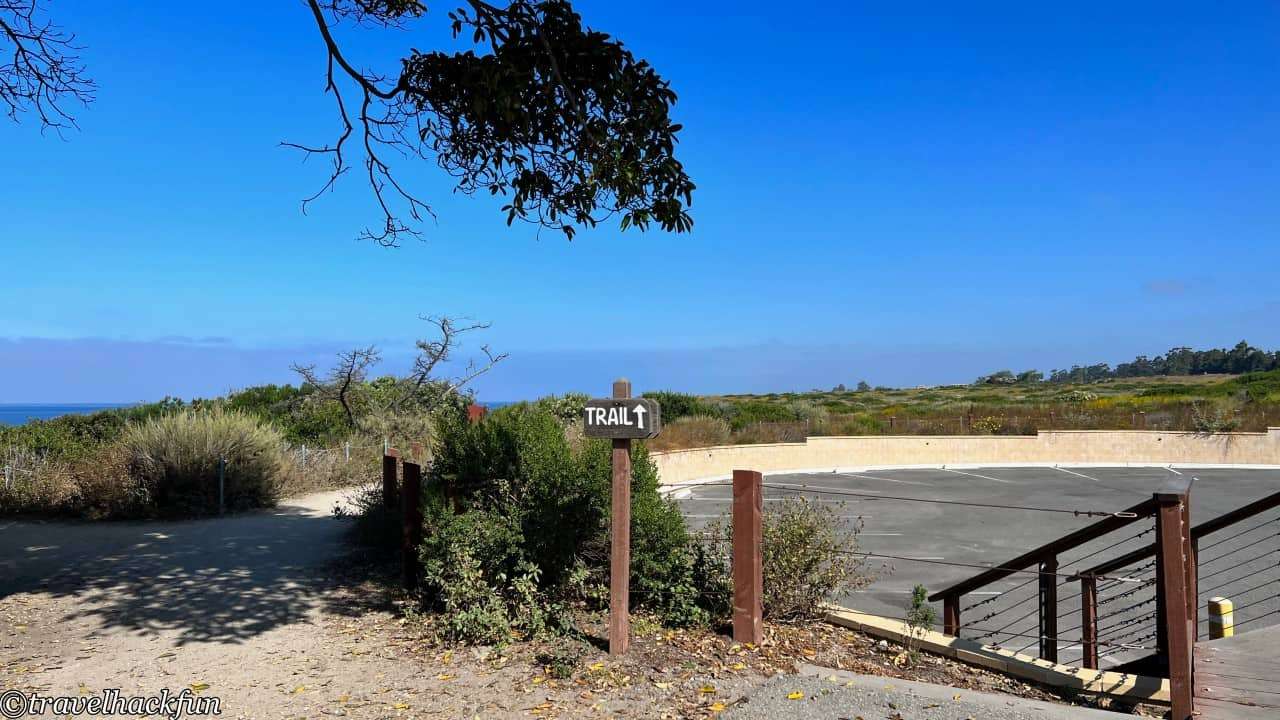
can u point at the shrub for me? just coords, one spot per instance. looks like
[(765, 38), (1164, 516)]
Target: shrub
[(807, 557), (919, 621), (1213, 419), (529, 535), (676, 405), (757, 411), (692, 432), (771, 432), (567, 407), (174, 461)]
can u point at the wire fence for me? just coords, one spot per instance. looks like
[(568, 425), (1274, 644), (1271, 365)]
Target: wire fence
[(1244, 565)]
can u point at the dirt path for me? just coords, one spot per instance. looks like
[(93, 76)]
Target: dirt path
[(253, 610), (241, 608)]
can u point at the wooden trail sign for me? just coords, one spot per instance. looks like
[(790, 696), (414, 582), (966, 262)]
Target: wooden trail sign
[(621, 418)]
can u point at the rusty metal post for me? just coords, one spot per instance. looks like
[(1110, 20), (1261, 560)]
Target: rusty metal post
[(1195, 583), (620, 538), (1049, 608), (1171, 557), (390, 457), (411, 520), (1189, 568), (748, 561), (1162, 625), (1089, 620), (951, 615)]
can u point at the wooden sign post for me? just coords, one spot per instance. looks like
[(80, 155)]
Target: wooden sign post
[(621, 418)]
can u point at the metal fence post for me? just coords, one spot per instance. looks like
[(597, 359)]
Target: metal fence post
[(1049, 608), (346, 451), (1173, 546), (222, 485), (1089, 620), (411, 519), (748, 562), (951, 615), (389, 459)]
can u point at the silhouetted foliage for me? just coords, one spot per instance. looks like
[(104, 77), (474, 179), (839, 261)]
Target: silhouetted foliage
[(559, 119), (1243, 358), (562, 120)]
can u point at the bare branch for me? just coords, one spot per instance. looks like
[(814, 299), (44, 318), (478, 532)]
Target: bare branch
[(380, 120), (39, 69), (343, 379)]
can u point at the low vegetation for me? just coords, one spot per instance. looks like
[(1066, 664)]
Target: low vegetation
[(808, 558), (516, 535), (1197, 403), (266, 442)]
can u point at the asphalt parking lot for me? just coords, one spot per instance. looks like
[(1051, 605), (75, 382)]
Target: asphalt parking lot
[(1239, 562)]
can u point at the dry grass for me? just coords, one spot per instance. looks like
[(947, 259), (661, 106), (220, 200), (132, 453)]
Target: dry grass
[(697, 431)]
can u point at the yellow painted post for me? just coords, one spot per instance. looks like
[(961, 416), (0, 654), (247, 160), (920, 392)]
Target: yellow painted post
[(1221, 622)]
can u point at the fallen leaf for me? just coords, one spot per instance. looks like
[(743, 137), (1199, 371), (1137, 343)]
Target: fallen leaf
[(199, 687), (707, 689), (300, 688), (717, 707), (797, 695)]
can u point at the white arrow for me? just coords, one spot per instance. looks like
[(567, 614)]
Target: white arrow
[(640, 411)]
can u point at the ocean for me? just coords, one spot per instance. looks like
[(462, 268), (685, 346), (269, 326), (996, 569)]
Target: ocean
[(15, 414), (18, 414)]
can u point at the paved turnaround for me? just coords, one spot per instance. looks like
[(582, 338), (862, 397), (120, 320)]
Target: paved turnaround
[(826, 694), (923, 537)]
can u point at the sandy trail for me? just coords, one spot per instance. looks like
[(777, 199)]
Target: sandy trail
[(243, 605)]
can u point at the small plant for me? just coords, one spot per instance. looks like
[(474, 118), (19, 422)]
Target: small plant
[(1213, 419), (560, 662), (989, 425), (808, 557), (919, 621)]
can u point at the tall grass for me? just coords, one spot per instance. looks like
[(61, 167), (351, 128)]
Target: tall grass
[(176, 460)]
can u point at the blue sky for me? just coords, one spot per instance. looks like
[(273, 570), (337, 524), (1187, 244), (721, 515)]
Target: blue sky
[(908, 197)]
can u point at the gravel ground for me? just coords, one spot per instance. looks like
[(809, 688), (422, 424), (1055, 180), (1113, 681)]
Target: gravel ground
[(823, 694)]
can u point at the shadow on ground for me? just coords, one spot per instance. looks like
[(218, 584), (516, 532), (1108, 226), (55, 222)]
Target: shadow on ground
[(217, 580)]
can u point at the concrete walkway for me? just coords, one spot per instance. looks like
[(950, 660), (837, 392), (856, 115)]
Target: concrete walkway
[(837, 695)]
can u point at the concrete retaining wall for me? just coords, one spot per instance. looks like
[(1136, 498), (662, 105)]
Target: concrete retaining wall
[(1095, 447)]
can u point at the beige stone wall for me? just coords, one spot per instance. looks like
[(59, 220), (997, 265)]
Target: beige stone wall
[(1101, 447)]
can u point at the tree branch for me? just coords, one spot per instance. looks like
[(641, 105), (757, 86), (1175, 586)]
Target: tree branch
[(42, 72)]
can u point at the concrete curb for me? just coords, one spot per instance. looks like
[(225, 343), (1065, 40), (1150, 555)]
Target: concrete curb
[(1138, 688), (684, 484)]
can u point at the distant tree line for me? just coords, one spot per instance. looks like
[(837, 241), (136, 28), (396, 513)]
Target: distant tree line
[(1243, 358)]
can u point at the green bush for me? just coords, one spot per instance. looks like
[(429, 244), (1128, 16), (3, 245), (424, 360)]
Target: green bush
[(296, 412), (530, 534), (72, 437), (676, 405), (758, 411), (174, 460), (808, 559)]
